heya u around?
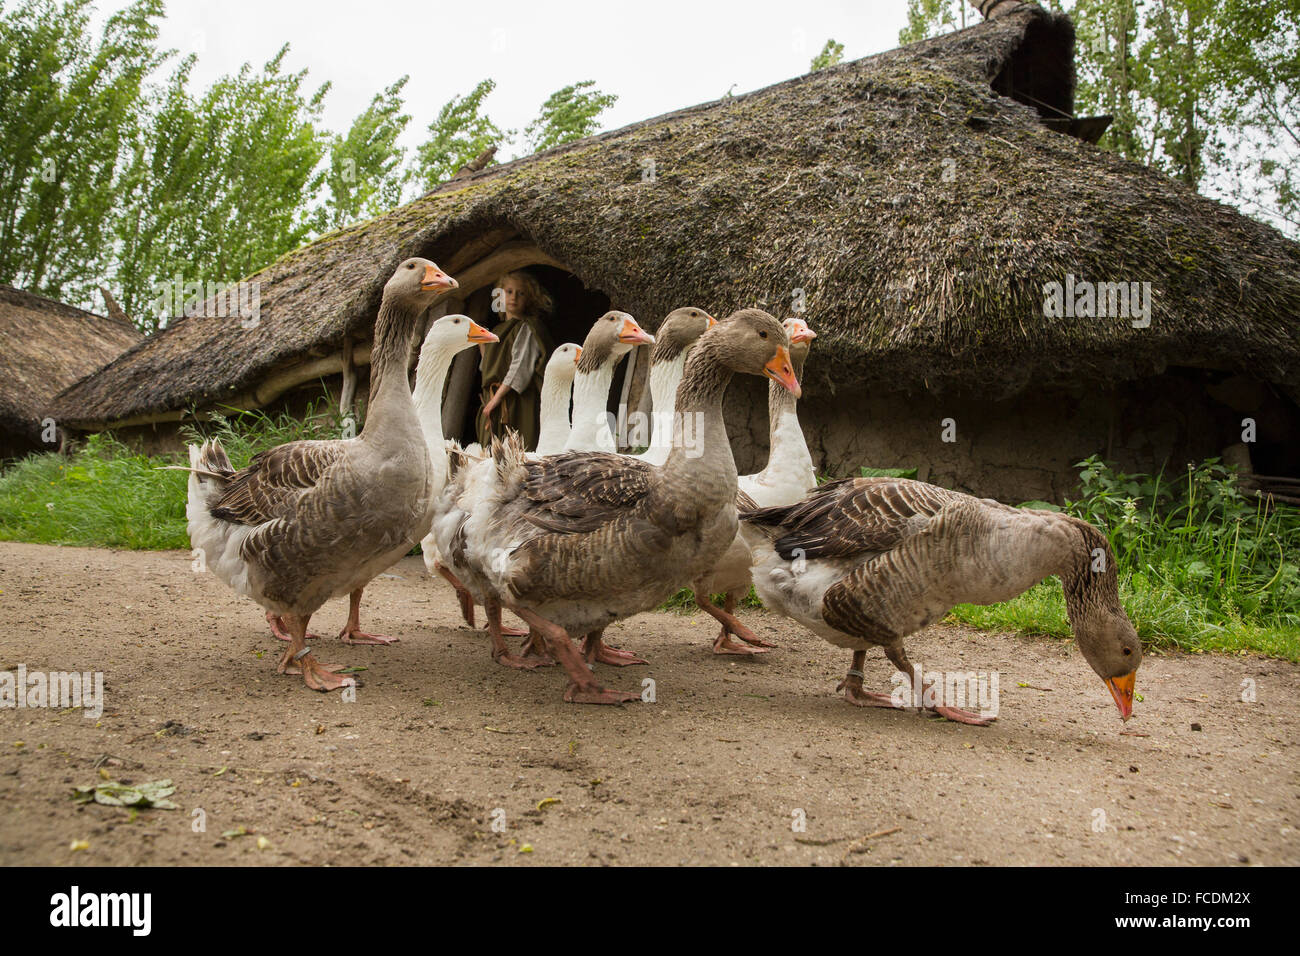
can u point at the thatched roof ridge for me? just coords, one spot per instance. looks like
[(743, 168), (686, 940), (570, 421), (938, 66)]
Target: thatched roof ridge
[(920, 212), (45, 347)]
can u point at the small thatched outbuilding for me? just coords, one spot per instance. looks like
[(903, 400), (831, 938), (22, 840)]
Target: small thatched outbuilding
[(45, 346), (996, 297)]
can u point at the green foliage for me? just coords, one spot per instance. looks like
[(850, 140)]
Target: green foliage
[(928, 18), (831, 54), (683, 602), (867, 472), (365, 175), (1206, 90), (103, 496), (459, 133), (1201, 566), (568, 114), (220, 185), (1252, 52), (68, 107), (106, 495)]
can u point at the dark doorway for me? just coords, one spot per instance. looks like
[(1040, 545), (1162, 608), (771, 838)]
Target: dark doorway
[(576, 309)]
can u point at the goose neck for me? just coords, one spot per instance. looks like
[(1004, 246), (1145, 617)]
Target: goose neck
[(390, 389), (590, 398), (430, 379)]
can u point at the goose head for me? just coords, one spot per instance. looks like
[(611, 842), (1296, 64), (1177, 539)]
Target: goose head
[(1110, 645), (679, 331), (1106, 637), (563, 363), (801, 334), (454, 333), (418, 282), (612, 336), (753, 342)]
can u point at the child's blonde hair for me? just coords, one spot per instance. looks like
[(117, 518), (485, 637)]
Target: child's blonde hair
[(537, 299)]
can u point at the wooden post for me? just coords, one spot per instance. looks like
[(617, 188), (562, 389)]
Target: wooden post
[(349, 392)]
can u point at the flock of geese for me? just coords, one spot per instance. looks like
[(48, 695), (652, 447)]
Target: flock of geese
[(574, 536)]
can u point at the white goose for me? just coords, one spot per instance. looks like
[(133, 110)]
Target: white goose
[(557, 390), (673, 341), (612, 336)]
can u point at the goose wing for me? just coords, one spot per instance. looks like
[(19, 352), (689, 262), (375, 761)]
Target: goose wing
[(578, 492), (854, 515), (274, 481)]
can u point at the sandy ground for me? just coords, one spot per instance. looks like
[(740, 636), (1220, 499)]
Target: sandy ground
[(446, 757)]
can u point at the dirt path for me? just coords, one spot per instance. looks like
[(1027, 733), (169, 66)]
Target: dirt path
[(441, 742)]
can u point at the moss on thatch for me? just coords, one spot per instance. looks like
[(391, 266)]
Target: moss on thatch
[(45, 346), (920, 212)]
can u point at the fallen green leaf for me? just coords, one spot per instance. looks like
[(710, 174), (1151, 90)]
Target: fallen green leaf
[(149, 795)]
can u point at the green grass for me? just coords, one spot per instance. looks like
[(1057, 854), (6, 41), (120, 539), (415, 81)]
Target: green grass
[(1202, 567), (106, 495), (683, 602)]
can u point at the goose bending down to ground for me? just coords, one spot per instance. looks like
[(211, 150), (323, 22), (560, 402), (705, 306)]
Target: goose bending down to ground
[(312, 520), (786, 479), (574, 542), (557, 390), (612, 336), (868, 561)]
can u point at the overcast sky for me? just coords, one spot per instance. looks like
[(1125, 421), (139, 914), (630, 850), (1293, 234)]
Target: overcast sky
[(655, 57)]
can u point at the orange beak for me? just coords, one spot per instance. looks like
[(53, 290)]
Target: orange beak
[(781, 370), (435, 280), (479, 334), (633, 334), (577, 354), (1121, 688), (800, 331), (712, 323)]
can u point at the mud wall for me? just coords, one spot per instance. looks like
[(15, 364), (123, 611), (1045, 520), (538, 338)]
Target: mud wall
[(1014, 449)]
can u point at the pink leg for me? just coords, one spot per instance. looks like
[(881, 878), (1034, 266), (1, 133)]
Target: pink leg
[(723, 644), (851, 687), (501, 651), (279, 631), (466, 601), (582, 688), (298, 659), (352, 633), (534, 648), (595, 649), (462, 595), (899, 659)]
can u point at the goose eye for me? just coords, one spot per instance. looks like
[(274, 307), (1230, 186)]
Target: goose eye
[(1127, 651), (762, 335), (410, 265)]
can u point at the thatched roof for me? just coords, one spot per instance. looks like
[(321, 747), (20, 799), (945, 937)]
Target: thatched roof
[(920, 211), (47, 346)]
